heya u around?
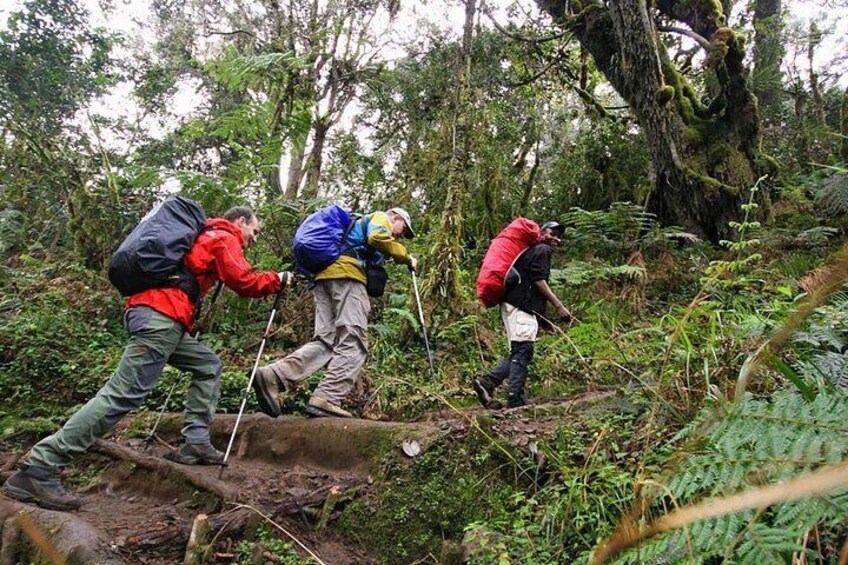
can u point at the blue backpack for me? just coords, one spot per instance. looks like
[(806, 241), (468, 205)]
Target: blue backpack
[(319, 239)]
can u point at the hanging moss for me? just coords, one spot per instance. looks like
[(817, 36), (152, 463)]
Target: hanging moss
[(665, 95), (722, 40), (711, 187), (731, 166), (692, 136), (690, 108)]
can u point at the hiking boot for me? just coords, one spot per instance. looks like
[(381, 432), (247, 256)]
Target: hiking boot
[(320, 408), (516, 401), (196, 454), (42, 486), (267, 388), (484, 388)]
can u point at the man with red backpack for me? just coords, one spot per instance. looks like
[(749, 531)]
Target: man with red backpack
[(158, 320), (527, 293)]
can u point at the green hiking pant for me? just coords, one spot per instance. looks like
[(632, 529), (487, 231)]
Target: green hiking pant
[(155, 339)]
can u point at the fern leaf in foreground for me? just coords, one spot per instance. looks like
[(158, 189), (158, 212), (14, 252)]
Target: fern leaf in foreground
[(757, 442)]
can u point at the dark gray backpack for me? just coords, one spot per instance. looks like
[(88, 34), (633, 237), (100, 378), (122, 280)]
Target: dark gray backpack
[(152, 255)]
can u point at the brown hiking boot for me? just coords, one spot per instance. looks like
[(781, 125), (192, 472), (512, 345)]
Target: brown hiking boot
[(42, 486), (267, 388), (484, 388), (196, 454), (321, 408)]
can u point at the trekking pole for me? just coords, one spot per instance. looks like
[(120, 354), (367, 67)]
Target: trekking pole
[(151, 436), (252, 375), (423, 327)]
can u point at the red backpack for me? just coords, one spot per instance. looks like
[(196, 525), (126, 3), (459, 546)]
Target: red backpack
[(501, 256)]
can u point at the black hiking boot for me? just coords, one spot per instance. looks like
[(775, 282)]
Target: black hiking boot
[(42, 486), (516, 401), (267, 388), (484, 388), (196, 454)]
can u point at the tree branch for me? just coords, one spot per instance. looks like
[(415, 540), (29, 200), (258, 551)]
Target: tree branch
[(233, 32), (532, 78), (699, 39), (519, 37)]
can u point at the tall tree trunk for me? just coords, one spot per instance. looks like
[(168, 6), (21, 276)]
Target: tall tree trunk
[(298, 154), (315, 160), (818, 102), (442, 289), (529, 182), (275, 187), (799, 96), (704, 158), (768, 54), (843, 127)]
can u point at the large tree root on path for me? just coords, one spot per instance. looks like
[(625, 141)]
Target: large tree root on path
[(193, 476), (320, 503)]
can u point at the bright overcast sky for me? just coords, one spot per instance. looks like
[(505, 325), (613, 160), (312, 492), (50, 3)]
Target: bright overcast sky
[(131, 18)]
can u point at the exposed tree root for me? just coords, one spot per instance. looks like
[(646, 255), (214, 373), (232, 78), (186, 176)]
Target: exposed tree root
[(237, 520), (194, 477)]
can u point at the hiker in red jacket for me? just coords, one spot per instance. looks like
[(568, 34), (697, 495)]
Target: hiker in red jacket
[(527, 293), (158, 321)]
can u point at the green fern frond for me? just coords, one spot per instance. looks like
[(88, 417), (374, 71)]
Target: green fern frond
[(832, 195), (816, 237), (830, 365), (756, 442), (682, 236)]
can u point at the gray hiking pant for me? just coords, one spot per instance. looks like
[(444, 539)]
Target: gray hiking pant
[(340, 341), (155, 339)]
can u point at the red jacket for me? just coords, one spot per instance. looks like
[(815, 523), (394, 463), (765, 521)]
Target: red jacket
[(218, 254)]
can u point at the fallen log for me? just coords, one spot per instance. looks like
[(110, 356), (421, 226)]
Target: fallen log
[(236, 520), (318, 497), (70, 536), (193, 476)]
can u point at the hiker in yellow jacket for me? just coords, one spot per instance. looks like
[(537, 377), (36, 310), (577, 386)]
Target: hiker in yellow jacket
[(340, 341)]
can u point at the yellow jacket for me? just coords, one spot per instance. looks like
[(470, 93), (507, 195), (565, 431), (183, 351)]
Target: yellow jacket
[(379, 237)]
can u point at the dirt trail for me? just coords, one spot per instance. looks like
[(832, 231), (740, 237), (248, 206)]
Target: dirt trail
[(139, 507)]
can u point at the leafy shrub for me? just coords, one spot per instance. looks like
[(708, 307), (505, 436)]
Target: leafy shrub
[(62, 346)]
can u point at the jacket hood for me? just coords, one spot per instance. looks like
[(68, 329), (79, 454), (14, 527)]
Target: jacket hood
[(227, 226)]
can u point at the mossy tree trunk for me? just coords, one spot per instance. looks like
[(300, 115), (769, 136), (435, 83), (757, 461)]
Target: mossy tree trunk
[(813, 41), (442, 289), (704, 157), (768, 54)]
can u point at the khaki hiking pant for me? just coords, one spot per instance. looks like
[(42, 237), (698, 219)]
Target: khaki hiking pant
[(155, 339), (340, 341)]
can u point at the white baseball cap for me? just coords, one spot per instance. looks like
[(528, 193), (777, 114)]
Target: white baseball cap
[(407, 233)]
